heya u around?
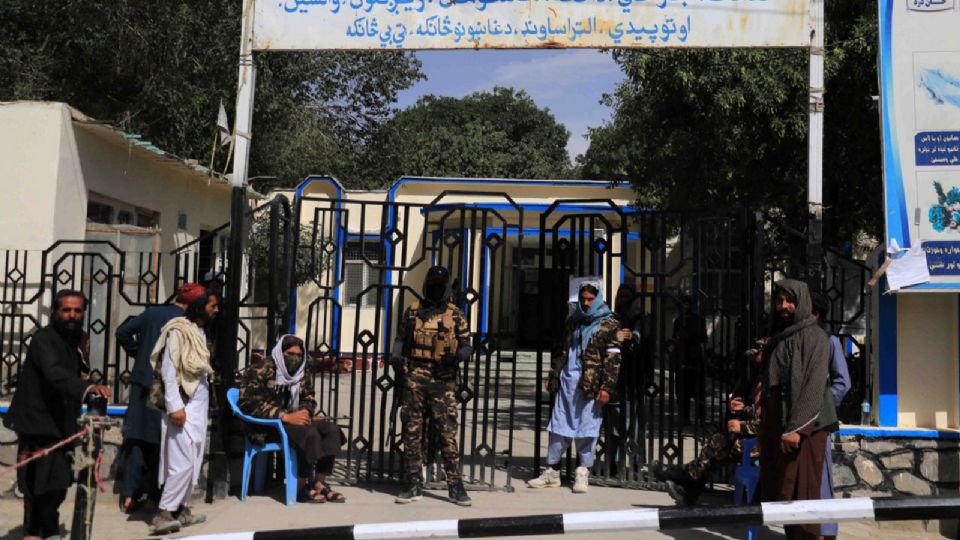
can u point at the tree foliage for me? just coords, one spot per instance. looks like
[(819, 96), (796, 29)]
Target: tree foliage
[(310, 261), (730, 127), (162, 68), (501, 133)]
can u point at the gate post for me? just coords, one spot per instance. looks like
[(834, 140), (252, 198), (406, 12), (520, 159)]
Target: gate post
[(225, 350)]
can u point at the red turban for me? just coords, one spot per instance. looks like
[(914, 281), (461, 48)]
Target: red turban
[(189, 293)]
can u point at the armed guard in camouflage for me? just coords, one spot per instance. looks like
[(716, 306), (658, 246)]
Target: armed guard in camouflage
[(433, 338), (685, 483)]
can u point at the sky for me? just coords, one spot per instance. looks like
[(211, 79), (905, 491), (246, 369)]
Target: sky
[(568, 82)]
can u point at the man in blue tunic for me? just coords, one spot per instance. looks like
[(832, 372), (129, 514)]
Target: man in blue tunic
[(141, 425), (584, 377), (839, 385)]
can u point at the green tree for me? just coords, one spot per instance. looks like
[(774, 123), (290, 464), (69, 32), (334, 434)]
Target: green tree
[(730, 127), (162, 68), (310, 261), (501, 133)]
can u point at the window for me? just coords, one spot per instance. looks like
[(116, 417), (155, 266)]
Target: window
[(360, 274), (147, 218), (99, 212), (205, 258), (124, 218)]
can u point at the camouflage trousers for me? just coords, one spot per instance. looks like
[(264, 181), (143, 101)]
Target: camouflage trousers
[(722, 449), (423, 389)]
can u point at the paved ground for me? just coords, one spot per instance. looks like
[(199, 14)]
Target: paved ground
[(373, 504)]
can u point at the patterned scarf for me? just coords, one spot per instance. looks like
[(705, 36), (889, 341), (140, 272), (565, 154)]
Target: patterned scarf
[(291, 381), (586, 322)]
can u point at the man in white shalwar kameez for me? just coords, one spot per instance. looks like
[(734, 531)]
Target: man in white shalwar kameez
[(184, 374)]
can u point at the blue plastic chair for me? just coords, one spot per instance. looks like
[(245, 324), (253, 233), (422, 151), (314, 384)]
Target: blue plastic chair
[(746, 478), (253, 452)]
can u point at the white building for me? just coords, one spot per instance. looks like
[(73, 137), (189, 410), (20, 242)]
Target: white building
[(77, 193)]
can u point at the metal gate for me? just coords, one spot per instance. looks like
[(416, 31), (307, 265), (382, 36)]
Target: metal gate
[(704, 286), (370, 259), (671, 394)]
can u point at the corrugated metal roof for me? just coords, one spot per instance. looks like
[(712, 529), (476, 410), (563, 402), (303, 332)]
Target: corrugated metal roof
[(137, 141)]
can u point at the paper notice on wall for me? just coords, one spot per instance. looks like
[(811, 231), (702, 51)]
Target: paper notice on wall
[(908, 269), (577, 282)]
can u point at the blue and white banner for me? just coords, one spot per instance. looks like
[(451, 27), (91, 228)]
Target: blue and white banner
[(920, 94), (520, 24)]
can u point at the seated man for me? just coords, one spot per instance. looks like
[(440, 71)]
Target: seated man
[(278, 389), (685, 483)]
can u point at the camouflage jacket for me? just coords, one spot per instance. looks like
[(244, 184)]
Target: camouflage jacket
[(750, 428), (259, 396), (601, 360), (748, 417)]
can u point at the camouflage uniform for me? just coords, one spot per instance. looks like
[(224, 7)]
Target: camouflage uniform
[(316, 443), (259, 398), (429, 333), (723, 449), (258, 392), (600, 360), (727, 448)]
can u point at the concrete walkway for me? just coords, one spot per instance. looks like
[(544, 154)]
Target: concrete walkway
[(374, 504)]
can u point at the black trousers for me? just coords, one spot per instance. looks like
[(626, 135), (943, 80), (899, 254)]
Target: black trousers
[(44, 484), (140, 464), (41, 513), (691, 388), (317, 445)]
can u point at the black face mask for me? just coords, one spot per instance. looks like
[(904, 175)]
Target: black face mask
[(434, 291), (292, 362), (71, 330)]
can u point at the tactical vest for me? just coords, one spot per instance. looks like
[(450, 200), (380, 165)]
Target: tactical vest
[(434, 337)]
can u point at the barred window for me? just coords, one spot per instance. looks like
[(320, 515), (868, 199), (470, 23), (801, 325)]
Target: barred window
[(359, 273)]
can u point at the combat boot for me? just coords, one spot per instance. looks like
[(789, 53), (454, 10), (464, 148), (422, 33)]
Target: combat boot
[(413, 490), (458, 494), (687, 492)]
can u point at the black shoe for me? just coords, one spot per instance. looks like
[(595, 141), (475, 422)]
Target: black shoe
[(675, 473), (694, 490), (685, 493), (458, 495), (677, 493), (413, 490)]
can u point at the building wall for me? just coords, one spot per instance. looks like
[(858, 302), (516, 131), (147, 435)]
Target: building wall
[(927, 361), (39, 170), (140, 178)]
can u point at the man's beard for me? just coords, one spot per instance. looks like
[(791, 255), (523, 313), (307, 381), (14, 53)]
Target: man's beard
[(72, 330), (785, 319), (203, 319)]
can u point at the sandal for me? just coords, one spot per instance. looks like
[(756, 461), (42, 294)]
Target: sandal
[(309, 495), (130, 505), (332, 496)]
